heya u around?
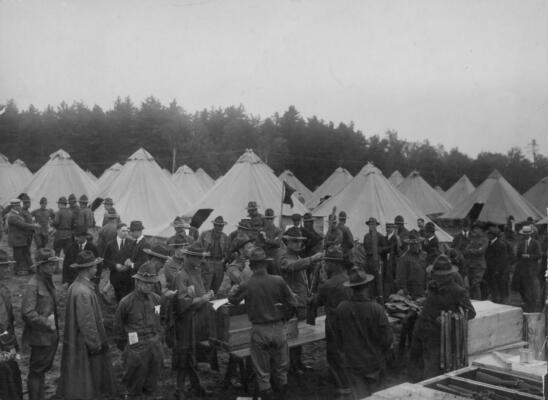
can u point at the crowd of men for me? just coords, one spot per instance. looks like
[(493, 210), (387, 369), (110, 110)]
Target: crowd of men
[(163, 294)]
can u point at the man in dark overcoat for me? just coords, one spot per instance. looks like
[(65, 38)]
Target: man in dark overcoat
[(86, 367), (39, 313), (498, 267), (525, 279)]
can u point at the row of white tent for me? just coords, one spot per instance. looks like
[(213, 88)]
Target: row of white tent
[(142, 190)]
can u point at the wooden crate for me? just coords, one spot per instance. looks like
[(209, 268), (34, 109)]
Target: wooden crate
[(234, 328), (495, 325)]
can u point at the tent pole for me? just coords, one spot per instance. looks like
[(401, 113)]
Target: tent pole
[(173, 160), (282, 205)]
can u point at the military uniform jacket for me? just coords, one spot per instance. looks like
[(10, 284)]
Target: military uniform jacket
[(432, 248), (236, 273), (7, 319), (333, 237), (207, 240), (180, 239), (347, 238), (43, 218), (18, 230), (38, 304), (294, 272), (474, 253), (63, 224), (411, 273)]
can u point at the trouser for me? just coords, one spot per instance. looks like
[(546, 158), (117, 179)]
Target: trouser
[(21, 255), (362, 384), (424, 356), (475, 276), (217, 270), (529, 290), (295, 353), (184, 362), (498, 286), (41, 240), (41, 361), (11, 386), (143, 365), (61, 244), (269, 354), (207, 276), (335, 363)]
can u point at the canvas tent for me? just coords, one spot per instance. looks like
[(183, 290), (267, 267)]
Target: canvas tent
[(249, 179), (206, 180), (331, 186), (494, 201), (108, 176), (395, 178), (60, 176), (10, 183), (537, 195), (370, 194), (22, 170), (90, 174), (141, 191), (186, 180), (422, 195), (303, 193), (461, 189)]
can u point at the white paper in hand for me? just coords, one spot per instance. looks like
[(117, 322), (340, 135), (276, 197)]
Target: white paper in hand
[(132, 338)]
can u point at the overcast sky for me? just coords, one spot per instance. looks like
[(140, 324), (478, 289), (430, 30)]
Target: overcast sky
[(466, 74)]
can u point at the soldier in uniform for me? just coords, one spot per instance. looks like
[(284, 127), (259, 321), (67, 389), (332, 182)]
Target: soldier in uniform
[(238, 271), (86, 218), (348, 239), (255, 219), (411, 270), (74, 209), (420, 226), (63, 227), (215, 242), (109, 209), (19, 232), (394, 249), (11, 386), (192, 312), (294, 271), (474, 254), (39, 313), (330, 294), (269, 348), (43, 216), (270, 238), (139, 334), (334, 236), (375, 246), (181, 238), (401, 231)]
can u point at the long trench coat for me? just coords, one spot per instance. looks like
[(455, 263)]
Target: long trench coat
[(86, 368)]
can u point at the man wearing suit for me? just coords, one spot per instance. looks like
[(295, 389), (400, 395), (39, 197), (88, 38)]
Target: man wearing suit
[(460, 242), (138, 255), (19, 232), (375, 247), (80, 243), (497, 272), (116, 255), (526, 275)]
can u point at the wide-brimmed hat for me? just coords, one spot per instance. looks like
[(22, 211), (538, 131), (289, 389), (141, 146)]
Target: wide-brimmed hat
[(240, 241), (219, 221), (43, 200), (296, 217), (307, 217), (441, 266), (430, 227), (4, 259), (80, 231), (269, 214), (72, 198), (179, 222), (252, 205), (195, 250), (526, 230), (358, 277), (109, 202), (390, 225), (333, 253), (23, 197), (413, 238), (293, 233), (493, 230), (159, 251), (111, 214), (86, 259), (372, 221), (44, 256), (147, 273), (83, 199), (245, 224), (342, 215), (136, 226), (62, 200), (257, 255), (399, 220)]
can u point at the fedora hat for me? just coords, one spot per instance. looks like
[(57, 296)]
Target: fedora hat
[(441, 266), (159, 251), (147, 273), (195, 250), (293, 234), (526, 230), (269, 214), (219, 221), (399, 220), (136, 226), (178, 222), (80, 231), (333, 253), (372, 221), (23, 197), (357, 277), (307, 217), (44, 256), (252, 205), (4, 259), (413, 237), (430, 227), (296, 217), (493, 230), (86, 259)]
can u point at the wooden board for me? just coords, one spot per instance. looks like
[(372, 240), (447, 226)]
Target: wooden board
[(495, 325), (409, 391)]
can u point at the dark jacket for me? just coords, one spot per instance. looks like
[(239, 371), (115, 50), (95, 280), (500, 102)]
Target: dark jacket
[(18, 230), (347, 239), (106, 234), (38, 304), (207, 241), (528, 266), (294, 271), (86, 368), (496, 259), (432, 248), (461, 240), (411, 273), (114, 255), (330, 294), (364, 335), (63, 224), (138, 256), (70, 274)]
